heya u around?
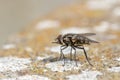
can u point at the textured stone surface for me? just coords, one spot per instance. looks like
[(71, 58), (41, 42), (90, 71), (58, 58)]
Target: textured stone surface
[(36, 44)]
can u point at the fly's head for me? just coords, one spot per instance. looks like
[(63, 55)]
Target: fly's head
[(58, 39)]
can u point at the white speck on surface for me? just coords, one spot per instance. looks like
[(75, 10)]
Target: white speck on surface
[(103, 58), (101, 4), (13, 64), (28, 49), (75, 30), (58, 66), (65, 51), (47, 24), (42, 58), (118, 59), (114, 69), (114, 26), (104, 26), (29, 77), (116, 11), (9, 46), (85, 75)]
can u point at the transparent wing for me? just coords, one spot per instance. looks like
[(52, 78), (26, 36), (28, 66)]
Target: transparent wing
[(93, 41), (87, 34)]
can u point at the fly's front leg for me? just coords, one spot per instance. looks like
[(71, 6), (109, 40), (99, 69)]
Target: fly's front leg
[(61, 53)]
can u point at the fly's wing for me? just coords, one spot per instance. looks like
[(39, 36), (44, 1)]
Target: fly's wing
[(83, 38), (87, 34), (90, 34), (80, 34), (93, 41)]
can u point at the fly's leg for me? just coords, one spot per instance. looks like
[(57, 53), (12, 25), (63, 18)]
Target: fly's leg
[(85, 54), (71, 54), (61, 53), (75, 56)]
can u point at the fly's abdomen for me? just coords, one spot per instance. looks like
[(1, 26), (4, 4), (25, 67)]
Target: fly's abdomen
[(81, 40)]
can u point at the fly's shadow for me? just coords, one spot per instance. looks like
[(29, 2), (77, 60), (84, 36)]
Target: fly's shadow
[(50, 59), (54, 59)]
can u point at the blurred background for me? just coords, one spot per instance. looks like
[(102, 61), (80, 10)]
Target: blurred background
[(17, 14)]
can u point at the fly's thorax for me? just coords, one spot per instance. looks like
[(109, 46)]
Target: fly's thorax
[(67, 39)]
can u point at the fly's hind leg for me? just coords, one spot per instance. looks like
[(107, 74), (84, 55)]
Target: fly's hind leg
[(85, 54)]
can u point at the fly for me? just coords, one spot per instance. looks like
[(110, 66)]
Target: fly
[(75, 41)]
